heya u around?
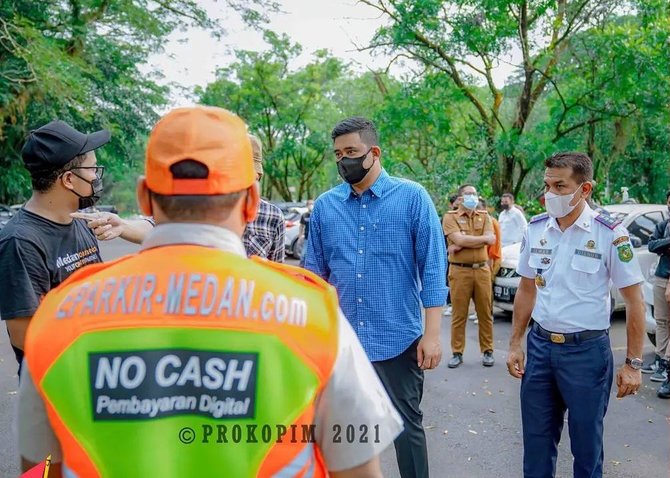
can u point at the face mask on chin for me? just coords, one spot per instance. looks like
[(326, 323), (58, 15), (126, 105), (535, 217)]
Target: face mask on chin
[(352, 170), (558, 205)]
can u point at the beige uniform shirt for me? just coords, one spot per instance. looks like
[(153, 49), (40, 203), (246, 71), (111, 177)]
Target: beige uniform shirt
[(476, 223)]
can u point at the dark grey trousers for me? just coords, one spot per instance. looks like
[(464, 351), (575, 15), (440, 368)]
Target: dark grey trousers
[(403, 380)]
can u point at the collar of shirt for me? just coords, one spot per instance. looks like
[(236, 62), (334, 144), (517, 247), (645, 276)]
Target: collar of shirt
[(461, 211), (583, 221), (194, 234), (378, 188)]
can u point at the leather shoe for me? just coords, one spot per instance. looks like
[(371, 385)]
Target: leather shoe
[(455, 361), (488, 360)]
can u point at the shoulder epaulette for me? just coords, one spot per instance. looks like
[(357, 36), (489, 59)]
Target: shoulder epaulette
[(538, 218), (607, 220), (452, 212)]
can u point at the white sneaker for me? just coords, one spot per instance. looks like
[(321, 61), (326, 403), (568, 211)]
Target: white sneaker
[(472, 316), (447, 311)]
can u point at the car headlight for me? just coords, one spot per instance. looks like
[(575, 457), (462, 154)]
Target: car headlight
[(507, 272)]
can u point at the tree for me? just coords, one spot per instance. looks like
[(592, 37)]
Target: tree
[(78, 61), (465, 40), (287, 109)]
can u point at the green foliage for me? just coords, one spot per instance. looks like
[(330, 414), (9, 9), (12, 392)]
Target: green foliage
[(594, 77), (290, 111), (78, 61)]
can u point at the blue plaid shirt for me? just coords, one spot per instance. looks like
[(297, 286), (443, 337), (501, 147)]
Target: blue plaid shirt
[(383, 251)]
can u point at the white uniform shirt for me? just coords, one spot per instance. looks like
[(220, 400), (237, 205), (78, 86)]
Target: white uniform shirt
[(578, 266), (354, 395), (512, 226)]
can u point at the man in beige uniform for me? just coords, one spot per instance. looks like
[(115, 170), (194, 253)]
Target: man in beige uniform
[(469, 232)]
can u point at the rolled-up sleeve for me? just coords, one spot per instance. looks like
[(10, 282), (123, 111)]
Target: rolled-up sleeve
[(431, 254)]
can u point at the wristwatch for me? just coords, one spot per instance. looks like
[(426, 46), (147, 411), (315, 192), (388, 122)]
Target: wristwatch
[(634, 363)]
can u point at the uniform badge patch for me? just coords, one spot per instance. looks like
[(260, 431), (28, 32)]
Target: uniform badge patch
[(621, 240), (591, 245), (545, 261), (543, 242), (625, 253)]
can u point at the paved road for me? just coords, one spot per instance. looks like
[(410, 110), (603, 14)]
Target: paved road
[(471, 415)]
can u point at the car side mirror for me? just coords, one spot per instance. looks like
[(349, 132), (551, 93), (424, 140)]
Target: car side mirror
[(636, 241)]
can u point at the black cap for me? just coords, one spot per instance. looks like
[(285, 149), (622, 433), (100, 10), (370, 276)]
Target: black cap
[(57, 143)]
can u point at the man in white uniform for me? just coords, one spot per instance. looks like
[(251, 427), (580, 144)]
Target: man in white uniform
[(512, 221), (568, 258)]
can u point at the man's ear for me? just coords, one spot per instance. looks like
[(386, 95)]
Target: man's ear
[(144, 197), (251, 203), (66, 180), (376, 152), (587, 188)]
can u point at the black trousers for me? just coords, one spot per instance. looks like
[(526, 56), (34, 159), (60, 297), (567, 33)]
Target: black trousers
[(403, 380)]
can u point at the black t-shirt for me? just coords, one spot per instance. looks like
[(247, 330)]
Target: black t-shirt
[(304, 220), (36, 255)]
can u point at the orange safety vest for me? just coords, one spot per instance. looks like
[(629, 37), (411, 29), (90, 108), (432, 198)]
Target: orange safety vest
[(158, 364)]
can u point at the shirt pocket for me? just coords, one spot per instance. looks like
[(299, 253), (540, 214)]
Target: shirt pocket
[(388, 238), (585, 270)]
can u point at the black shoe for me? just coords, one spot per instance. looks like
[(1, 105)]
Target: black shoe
[(651, 367), (664, 390), (488, 360), (455, 361), (661, 373)]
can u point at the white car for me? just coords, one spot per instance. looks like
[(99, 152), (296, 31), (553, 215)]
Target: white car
[(292, 243), (639, 219), (650, 322)]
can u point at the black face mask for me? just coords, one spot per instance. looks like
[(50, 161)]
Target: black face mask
[(352, 170), (504, 207), (96, 193)]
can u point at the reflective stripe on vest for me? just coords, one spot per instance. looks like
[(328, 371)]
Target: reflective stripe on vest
[(163, 373)]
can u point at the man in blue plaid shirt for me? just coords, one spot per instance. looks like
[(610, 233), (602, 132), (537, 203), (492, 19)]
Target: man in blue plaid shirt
[(378, 240), (265, 236)]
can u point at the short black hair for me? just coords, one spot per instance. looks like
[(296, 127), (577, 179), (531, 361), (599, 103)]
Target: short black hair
[(357, 124), (44, 180), (580, 163), (196, 207), (460, 190), (508, 195), (453, 198)]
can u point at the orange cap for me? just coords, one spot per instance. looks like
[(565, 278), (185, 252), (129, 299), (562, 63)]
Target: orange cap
[(212, 136)]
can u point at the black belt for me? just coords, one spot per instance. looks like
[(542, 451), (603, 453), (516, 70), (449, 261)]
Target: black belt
[(476, 265), (567, 338)]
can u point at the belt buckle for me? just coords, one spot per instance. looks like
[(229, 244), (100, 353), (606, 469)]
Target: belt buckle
[(557, 338), (475, 266)]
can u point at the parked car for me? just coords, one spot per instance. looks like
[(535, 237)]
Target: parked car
[(286, 207), (639, 219), (6, 214), (292, 241), (648, 292)]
